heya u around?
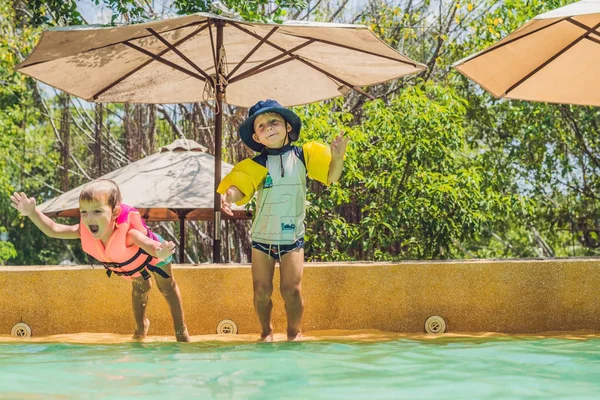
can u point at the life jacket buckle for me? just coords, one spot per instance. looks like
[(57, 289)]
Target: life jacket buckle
[(108, 267), (145, 274)]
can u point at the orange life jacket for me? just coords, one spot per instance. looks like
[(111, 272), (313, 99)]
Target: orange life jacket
[(129, 262)]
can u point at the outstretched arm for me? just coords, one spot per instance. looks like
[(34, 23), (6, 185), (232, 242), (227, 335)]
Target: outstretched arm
[(156, 249), (239, 185), (338, 149), (26, 207), (232, 195)]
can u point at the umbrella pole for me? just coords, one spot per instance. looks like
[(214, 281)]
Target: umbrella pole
[(181, 237), (182, 213), (220, 93)]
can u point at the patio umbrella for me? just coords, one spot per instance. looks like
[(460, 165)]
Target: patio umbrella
[(173, 184), (205, 56), (552, 58)]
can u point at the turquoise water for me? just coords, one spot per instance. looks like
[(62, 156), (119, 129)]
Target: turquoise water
[(546, 368)]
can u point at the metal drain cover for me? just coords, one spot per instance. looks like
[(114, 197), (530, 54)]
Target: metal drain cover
[(227, 327), (435, 324), (21, 330)]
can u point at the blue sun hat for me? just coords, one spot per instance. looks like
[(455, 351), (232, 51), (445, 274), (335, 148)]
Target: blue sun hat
[(246, 129)]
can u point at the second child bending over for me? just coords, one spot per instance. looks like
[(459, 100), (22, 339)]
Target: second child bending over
[(115, 234)]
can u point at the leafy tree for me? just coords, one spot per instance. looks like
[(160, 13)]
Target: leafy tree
[(412, 187), (436, 168)]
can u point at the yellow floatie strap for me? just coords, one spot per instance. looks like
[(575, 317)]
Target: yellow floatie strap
[(317, 157), (247, 176)]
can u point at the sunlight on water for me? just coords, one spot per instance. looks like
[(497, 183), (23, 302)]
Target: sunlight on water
[(454, 368)]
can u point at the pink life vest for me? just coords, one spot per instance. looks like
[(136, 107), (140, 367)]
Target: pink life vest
[(129, 262)]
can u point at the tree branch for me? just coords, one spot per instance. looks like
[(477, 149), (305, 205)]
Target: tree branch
[(163, 111)]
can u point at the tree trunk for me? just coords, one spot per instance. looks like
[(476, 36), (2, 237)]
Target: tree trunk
[(98, 140), (139, 144), (151, 134), (65, 128)]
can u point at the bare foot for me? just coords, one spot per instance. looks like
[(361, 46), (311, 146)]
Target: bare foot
[(182, 334), (137, 335), (266, 337), (294, 337)]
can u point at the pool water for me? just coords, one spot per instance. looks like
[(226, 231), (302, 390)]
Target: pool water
[(455, 368)]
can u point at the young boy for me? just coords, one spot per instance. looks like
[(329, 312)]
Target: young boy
[(115, 234), (278, 176)]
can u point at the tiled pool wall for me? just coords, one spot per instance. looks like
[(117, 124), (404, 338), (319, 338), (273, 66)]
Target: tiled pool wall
[(516, 296)]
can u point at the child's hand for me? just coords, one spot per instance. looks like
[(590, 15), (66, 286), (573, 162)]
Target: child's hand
[(338, 145), (164, 250), (26, 206), (227, 201)]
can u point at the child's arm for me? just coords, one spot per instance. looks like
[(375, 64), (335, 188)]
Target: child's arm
[(338, 149), (240, 184), (232, 195), (156, 249), (26, 207)]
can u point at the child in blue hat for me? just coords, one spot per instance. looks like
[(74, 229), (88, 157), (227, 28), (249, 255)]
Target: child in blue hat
[(278, 177)]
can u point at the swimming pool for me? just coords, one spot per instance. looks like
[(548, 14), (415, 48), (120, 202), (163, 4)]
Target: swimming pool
[(491, 367)]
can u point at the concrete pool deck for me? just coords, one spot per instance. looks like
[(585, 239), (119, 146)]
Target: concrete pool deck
[(504, 296), (364, 336)]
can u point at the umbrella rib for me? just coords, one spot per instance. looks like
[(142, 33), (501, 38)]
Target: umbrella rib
[(511, 41), (294, 57), (535, 71), (166, 62), (358, 50), (113, 44), (253, 70), (212, 45), (579, 24), (165, 31), (262, 41), (593, 40), (335, 78), (136, 69), (180, 54), (584, 26), (330, 75)]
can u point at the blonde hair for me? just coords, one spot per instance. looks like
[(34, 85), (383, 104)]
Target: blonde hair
[(104, 190), (275, 114)]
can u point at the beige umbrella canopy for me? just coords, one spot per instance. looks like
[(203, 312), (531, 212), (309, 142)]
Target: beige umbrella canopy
[(552, 58), (173, 61), (205, 56), (174, 184)]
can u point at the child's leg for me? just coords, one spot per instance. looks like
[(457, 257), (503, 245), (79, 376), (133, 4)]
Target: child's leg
[(263, 268), (169, 289), (291, 268), (139, 299)]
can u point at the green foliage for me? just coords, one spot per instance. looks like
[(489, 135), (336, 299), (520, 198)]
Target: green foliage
[(409, 189), (26, 148), (255, 10), (130, 10), (435, 169), (498, 21), (7, 249), (185, 7), (64, 13), (54, 12), (549, 153)]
